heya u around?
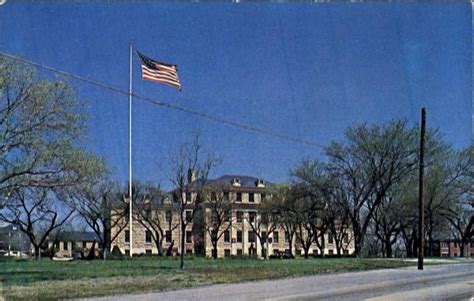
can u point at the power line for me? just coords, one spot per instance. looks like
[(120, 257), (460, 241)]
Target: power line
[(170, 106)]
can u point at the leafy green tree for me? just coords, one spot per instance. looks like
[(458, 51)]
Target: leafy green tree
[(459, 212), (365, 167), (42, 126)]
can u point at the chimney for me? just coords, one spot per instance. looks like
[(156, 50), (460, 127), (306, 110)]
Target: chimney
[(191, 175)]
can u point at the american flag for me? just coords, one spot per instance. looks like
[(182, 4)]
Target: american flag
[(159, 72)]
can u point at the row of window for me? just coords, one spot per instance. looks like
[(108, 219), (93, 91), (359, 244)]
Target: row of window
[(276, 251), (251, 237), (149, 238), (226, 196), (65, 245)]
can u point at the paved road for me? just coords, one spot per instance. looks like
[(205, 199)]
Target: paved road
[(440, 282)]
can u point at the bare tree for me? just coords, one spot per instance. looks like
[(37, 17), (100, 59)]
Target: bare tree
[(154, 212), (220, 219), (103, 207), (283, 203), (263, 222), (36, 212), (189, 174)]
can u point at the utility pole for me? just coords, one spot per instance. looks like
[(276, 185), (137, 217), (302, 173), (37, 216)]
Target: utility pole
[(421, 211)]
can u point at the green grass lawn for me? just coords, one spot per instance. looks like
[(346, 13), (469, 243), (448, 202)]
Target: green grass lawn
[(46, 280)]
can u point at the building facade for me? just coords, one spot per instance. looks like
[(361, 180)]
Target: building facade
[(239, 226), (67, 243), (452, 248)]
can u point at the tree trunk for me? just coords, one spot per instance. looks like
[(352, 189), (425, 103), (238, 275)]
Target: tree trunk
[(388, 248), (214, 250), (462, 244), (37, 252), (290, 241), (159, 248), (306, 252), (357, 246)]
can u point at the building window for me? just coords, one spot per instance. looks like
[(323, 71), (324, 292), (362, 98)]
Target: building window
[(56, 245), (263, 196), (168, 236), (252, 216), (84, 244), (330, 239), (239, 252), (148, 236), (239, 236), (287, 237), (214, 217), (275, 237), (346, 238), (251, 236), (227, 236), (188, 197), (345, 252), (148, 252), (189, 237), (264, 218), (188, 216), (227, 214), (331, 252), (239, 216), (168, 216), (226, 252), (127, 236), (251, 198), (239, 197), (65, 246)]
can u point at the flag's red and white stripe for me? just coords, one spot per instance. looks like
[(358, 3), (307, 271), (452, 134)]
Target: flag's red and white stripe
[(159, 72)]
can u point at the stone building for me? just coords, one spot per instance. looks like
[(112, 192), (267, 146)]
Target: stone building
[(66, 243), (242, 196)]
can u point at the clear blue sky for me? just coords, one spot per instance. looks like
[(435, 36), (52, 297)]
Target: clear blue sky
[(304, 70)]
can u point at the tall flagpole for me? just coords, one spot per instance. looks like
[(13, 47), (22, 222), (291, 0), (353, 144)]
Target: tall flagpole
[(130, 154)]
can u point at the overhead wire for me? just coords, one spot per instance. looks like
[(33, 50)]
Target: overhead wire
[(167, 105)]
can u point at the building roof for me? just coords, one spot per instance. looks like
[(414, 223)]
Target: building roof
[(246, 182), (76, 236), (8, 228)]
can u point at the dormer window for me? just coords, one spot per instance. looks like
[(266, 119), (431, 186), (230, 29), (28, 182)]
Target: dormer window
[(260, 183), (236, 182)]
